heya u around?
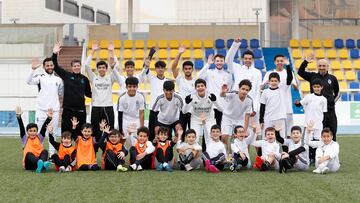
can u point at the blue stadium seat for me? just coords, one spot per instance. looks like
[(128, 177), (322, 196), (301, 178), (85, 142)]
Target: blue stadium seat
[(199, 64), (358, 74), (257, 53), (350, 43), (354, 53), (254, 43), (358, 43), (221, 51), (229, 43), (208, 52), (237, 61), (212, 66), (259, 64), (219, 43), (345, 97), (339, 43), (354, 85), (357, 97), (244, 44)]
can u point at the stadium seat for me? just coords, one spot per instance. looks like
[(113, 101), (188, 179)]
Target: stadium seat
[(257, 53), (127, 54), (198, 64), (128, 44), (93, 64), (237, 61), (90, 42), (305, 43), (186, 43), (316, 43), (343, 54), (259, 64), (312, 66), (354, 85), (339, 75), (350, 75), (298, 63), (139, 64), (117, 53), (208, 44), (104, 44), (358, 43), (335, 65), (305, 87), (198, 54), (328, 43), (354, 53), (139, 54), (229, 43), (219, 43), (320, 53), (208, 52), (244, 44), (94, 55), (151, 43), (221, 51), (197, 44), (357, 97), (254, 43), (307, 52), (332, 54), (186, 54), (357, 64), (339, 43), (350, 43), (162, 54), (173, 53), (139, 44), (115, 86), (296, 53), (117, 44), (163, 44), (174, 44), (103, 54), (358, 75), (294, 43), (346, 64), (345, 97), (343, 86)]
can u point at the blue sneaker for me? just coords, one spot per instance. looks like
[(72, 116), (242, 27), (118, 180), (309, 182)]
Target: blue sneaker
[(168, 168), (160, 167), (47, 165), (40, 165)]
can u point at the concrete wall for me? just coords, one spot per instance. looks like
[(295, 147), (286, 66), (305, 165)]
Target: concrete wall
[(336, 31)]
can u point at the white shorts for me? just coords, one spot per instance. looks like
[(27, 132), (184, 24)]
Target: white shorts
[(299, 165), (280, 122), (228, 125)]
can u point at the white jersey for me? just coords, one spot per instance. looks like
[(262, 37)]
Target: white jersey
[(50, 88), (201, 106), (243, 145), (268, 147), (181, 144), (215, 148), (169, 111), (215, 79), (185, 86), (274, 100), (122, 83), (314, 107), (130, 106), (331, 149), (282, 85), (235, 109), (303, 156), (156, 87), (241, 72)]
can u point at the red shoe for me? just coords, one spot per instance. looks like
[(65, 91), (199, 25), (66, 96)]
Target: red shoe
[(213, 169), (207, 164), (258, 163)]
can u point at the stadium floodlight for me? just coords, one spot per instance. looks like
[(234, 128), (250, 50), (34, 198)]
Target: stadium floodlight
[(257, 13)]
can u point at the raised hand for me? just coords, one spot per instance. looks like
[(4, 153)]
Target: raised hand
[(278, 126), (35, 63), (111, 46), (147, 62), (102, 125), (182, 48), (50, 113), (95, 46), (310, 58), (210, 59), (188, 99), (286, 61), (237, 39), (18, 111), (74, 122), (50, 129), (121, 155), (212, 97), (310, 126), (107, 129), (57, 48)]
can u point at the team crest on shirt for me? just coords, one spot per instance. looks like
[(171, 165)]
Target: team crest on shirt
[(137, 104), (126, 106), (329, 81)]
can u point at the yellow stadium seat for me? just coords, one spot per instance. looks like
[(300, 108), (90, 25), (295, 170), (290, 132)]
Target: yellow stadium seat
[(174, 44), (103, 54), (117, 53), (312, 66), (207, 44), (320, 53), (151, 43), (307, 52), (115, 86), (343, 54), (162, 44), (115, 98), (186, 43), (328, 43), (139, 54), (87, 101), (331, 54), (142, 86), (117, 44), (339, 75), (147, 98), (128, 44), (305, 43), (343, 86), (139, 44), (298, 63), (152, 64), (350, 75), (90, 43), (163, 54), (186, 54), (173, 53), (335, 65), (305, 86), (94, 55), (127, 54), (197, 44), (104, 44), (300, 78), (316, 43), (198, 54), (296, 53), (346, 64), (139, 64), (357, 64), (93, 64), (294, 43)]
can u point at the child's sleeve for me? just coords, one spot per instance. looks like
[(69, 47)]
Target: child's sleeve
[(279, 138), (43, 127), (52, 141), (324, 106), (234, 148), (313, 144), (198, 147), (277, 152), (21, 127), (89, 72), (251, 138), (101, 142), (179, 144), (257, 143), (123, 149), (289, 75), (149, 148), (73, 134), (335, 150)]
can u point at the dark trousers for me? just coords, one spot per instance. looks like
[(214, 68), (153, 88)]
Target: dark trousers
[(66, 117), (171, 128), (185, 120), (239, 161), (112, 161), (217, 161), (161, 158), (58, 162), (144, 162), (31, 160), (98, 114), (87, 167), (152, 124), (218, 117), (330, 121)]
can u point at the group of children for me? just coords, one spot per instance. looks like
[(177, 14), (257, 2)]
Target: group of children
[(226, 118)]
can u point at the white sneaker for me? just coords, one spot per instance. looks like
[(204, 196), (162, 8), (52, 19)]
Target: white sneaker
[(68, 169), (133, 167), (188, 167), (317, 171), (325, 170), (62, 169), (139, 168)]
